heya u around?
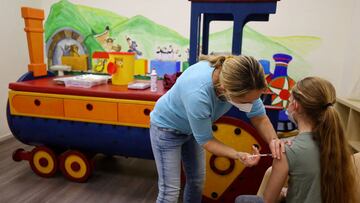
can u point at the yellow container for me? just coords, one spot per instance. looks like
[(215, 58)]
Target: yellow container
[(121, 66), (76, 62), (141, 66)]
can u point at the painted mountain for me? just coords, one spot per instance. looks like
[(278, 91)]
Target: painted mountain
[(149, 35)]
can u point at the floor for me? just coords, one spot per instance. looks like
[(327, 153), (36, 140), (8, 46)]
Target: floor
[(115, 179)]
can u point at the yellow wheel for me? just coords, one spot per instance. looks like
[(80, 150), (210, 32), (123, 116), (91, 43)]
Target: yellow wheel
[(43, 162), (75, 166), (227, 178)]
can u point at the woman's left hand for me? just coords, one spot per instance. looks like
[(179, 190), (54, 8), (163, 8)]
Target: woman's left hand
[(277, 148), (248, 160)]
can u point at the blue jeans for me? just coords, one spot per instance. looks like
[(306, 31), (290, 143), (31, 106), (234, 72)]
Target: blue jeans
[(249, 199), (170, 147)]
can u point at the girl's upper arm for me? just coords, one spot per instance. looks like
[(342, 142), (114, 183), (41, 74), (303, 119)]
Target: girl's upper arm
[(278, 177)]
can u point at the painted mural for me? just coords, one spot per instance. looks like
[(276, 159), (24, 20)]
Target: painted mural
[(92, 29), (75, 32)]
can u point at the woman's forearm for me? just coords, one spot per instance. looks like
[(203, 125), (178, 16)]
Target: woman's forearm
[(220, 149)]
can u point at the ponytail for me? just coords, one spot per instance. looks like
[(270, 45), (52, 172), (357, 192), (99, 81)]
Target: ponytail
[(337, 168), (215, 61)]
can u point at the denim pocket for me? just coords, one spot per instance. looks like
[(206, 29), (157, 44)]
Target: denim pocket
[(170, 136), (166, 139)]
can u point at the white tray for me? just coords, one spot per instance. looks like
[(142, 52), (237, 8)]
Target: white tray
[(85, 81)]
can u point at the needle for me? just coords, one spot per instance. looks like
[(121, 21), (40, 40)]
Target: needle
[(256, 155)]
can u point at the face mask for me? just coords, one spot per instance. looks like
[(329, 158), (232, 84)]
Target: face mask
[(290, 116), (245, 107)]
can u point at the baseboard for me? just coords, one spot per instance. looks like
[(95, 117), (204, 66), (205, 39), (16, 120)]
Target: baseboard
[(5, 137)]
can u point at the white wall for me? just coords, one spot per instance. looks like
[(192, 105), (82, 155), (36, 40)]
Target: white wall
[(351, 56), (13, 52), (332, 20)]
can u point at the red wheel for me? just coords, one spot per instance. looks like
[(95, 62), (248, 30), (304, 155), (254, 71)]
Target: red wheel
[(75, 166), (43, 162)]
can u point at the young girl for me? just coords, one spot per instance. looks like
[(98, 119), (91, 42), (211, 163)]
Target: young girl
[(319, 163)]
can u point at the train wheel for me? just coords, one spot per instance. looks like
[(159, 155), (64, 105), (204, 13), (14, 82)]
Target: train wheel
[(227, 178), (43, 162), (75, 166)]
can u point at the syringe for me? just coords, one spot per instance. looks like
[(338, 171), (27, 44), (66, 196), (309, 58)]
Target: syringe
[(256, 155)]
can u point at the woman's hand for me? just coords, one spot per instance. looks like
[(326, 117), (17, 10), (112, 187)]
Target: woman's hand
[(277, 148), (249, 160)]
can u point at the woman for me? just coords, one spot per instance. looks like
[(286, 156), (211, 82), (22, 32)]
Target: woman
[(318, 162), (181, 122)]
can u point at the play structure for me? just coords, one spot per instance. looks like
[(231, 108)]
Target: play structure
[(68, 126), (239, 12)]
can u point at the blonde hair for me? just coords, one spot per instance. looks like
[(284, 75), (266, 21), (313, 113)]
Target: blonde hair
[(238, 74), (317, 96)]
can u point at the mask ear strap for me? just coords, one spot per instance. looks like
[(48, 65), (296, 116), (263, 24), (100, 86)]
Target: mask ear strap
[(296, 105)]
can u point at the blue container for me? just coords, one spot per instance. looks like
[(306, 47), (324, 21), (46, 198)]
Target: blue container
[(165, 67), (281, 63)]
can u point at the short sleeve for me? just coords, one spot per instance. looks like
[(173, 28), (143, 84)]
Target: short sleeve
[(291, 157), (198, 111), (257, 109)]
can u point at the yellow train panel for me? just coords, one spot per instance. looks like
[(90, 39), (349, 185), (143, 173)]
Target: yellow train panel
[(134, 113), (82, 108), (92, 110), (41, 106)]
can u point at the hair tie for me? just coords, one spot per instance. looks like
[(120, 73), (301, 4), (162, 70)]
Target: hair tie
[(327, 105), (229, 57)]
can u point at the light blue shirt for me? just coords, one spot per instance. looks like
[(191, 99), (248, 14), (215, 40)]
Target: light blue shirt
[(191, 105)]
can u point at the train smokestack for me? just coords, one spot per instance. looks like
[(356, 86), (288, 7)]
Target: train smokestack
[(34, 31)]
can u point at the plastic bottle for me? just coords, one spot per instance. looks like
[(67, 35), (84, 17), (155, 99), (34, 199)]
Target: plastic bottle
[(153, 80)]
